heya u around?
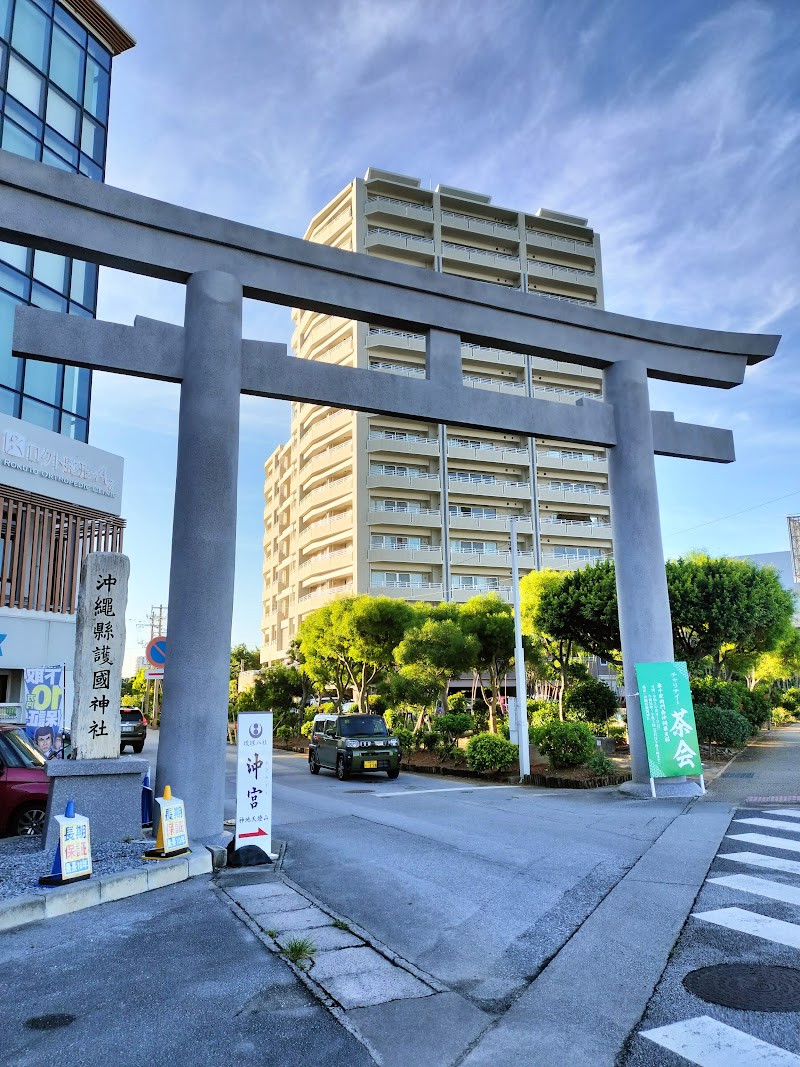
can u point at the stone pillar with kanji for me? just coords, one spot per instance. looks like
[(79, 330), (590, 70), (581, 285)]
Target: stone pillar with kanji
[(99, 651)]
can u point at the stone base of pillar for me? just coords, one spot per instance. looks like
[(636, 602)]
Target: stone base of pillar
[(665, 787), (107, 791)]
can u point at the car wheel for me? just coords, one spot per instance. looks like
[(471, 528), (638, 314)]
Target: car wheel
[(29, 821), (342, 772), (138, 747), (313, 764), (393, 774)]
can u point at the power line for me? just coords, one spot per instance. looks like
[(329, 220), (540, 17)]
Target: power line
[(733, 514)]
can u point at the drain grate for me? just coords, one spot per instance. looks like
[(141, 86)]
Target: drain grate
[(359, 790), (747, 986), (49, 1022), (740, 774)]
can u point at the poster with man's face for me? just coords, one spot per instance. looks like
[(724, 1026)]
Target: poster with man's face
[(43, 697)]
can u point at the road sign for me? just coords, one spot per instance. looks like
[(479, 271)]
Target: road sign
[(156, 652), (670, 732), (154, 672), (254, 780)]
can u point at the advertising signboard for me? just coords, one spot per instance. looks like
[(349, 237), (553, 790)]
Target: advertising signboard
[(43, 704), (254, 780), (668, 719)]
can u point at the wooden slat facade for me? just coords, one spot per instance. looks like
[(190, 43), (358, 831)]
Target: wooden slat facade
[(43, 543)]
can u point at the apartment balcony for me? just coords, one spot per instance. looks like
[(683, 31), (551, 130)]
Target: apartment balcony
[(328, 491), (387, 208), (482, 260), (402, 443), (407, 370), (496, 560), (429, 591), (546, 460), (424, 517), (324, 529), (467, 524), (430, 555), (570, 247), (322, 596), (397, 340), (574, 531), (511, 490), (569, 563), (486, 354), (457, 221), (317, 426), (327, 458), (573, 496), (494, 385), (554, 366), (582, 283), (430, 483), (461, 596), (331, 564), (408, 246), (490, 454), (563, 393)]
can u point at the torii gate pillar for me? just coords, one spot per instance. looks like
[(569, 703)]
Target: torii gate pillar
[(191, 751)]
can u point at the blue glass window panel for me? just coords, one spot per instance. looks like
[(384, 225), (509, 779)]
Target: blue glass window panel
[(66, 64), (43, 298), (58, 144), (43, 381), (9, 403), (5, 19), (25, 85), (10, 366), (47, 5), (72, 426), (52, 270), (76, 309), (40, 414), (22, 117), (16, 255), (62, 115), (102, 55), (53, 160), (31, 32), (16, 140), (95, 95), (76, 390), (70, 25), (84, 281), (90, 168), (13, 281), (93, 140)]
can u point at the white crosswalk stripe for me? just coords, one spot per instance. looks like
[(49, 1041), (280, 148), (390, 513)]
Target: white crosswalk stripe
[(793, 827), (756, 859), (761, 887), (767, 841), (787, 813), (709, 1043), (752, 922)]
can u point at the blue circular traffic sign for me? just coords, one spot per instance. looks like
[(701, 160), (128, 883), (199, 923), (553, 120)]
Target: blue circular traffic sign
[(156, 652)]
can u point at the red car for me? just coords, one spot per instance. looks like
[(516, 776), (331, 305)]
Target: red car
[(24, 785)]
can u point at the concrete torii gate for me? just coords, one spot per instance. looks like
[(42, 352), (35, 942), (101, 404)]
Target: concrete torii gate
[(221, 261)]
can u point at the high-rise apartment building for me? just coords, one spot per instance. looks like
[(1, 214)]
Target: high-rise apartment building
[(360, 503), (60, 498)]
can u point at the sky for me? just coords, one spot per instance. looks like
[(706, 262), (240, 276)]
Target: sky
[(674, 128)]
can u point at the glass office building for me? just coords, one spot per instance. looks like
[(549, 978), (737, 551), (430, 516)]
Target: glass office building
[(55, 78)]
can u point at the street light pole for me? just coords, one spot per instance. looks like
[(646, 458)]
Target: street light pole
[(519, 660)]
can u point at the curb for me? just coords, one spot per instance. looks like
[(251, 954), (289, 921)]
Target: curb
[(62, 900)]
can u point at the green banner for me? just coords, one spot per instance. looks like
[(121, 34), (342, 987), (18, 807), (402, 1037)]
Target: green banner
[(668, 717)]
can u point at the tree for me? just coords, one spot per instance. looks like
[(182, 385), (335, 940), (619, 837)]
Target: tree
[(776, 666), (726, 608), (433, 652), (556, 649), (323, 656), (133, 690), (490, 621), (278, 687)]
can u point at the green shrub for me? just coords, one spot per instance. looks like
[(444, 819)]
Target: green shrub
[(428, 739), (782, 716), (459, 756), (722, 726), (790, 699), (453, 725), (755, 706), (716, 693), (503, 729), (480, 713), (405, 737), (590, 701), (457, 703), (566, 744), (284, 733), (488, 752), (541, 711), (306, 728), (615, 728), (599, 764)]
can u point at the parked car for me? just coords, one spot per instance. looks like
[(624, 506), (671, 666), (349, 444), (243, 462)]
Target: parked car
[(350, 744), (24, 785), (133, 729)]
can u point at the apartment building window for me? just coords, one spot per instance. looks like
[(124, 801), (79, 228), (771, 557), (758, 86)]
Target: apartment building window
[(470, 511), (475, 581), (398, 541), (574, 487), (558, 453), (411, 507), (473, 477), (400, 470), (395, 578), (572, 552), (484, 547)]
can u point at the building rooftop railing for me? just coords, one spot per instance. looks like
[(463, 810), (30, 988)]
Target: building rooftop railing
[(572, 244)]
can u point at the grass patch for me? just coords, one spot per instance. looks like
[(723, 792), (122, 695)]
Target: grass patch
[(271, 933), (340, 924), (299, 950)]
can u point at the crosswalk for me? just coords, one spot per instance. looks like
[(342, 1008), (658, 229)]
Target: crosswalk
[(710, 1042)]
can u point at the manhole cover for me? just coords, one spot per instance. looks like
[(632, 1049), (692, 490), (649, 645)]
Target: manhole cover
[(49, 1022), (748, 986), (359, 790)]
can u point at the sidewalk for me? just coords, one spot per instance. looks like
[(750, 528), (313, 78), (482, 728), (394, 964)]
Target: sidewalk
[(767, 771)]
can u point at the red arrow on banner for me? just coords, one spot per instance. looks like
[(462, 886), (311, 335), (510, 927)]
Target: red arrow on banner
[(256, 833)]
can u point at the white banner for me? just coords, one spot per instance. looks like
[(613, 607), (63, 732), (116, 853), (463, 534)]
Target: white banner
[(254, 780)]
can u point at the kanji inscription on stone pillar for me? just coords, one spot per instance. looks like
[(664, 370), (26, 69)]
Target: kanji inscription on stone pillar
[(99, 651)]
